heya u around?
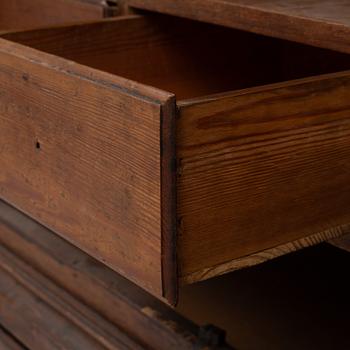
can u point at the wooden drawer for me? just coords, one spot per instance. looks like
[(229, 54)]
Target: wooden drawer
[(22, 14), (174, 151)]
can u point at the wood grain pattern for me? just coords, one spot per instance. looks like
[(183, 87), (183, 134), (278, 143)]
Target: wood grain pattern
[(323, 23), (188, 58), (44, 316), (144, 318), (80, 152), (262, 167), (242, 155), (7, 342), (342, 242), (170, 54), (268, 254), (23, 14)]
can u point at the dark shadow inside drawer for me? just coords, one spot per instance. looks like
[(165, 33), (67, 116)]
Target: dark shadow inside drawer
[(22, 14), (184, 57), (298, 301)]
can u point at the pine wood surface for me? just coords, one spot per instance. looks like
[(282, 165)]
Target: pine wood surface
[(264, 167), (63, 278), (8, 342), (322, 23), (24, 14), (82, 161), (45, 317), (90, 136), (342, 242)]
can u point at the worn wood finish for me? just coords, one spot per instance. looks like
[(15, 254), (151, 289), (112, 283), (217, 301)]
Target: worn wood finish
[(342, 242), (188, 58), (99, 167), (323, 23), (262, 167), (266, 255), (44, 316), (144, 318), (85, 149), (8, 342), (22, 14), (159, 51)]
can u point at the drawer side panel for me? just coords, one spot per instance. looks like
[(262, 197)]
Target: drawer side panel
[(262, 168)]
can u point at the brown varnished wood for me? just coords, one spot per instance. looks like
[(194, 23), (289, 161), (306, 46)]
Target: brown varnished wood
[(262, 167), (187, 58), (263, 256), (244, 158), (8, 342), (170, 54), (133, 311), (44, 316), (22, 14), (80, 151), (323, 23), (342, 242)]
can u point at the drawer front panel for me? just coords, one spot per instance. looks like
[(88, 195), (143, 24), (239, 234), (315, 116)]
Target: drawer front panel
[(261, 168), (80, 152)]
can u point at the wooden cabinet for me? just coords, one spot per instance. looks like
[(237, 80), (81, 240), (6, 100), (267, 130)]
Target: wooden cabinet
[(172, 150), (321, 23), (24, 14), (52, 295)]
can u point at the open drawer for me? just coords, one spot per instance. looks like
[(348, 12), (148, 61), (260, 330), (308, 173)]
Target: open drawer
[(245, 158), (23, 14)]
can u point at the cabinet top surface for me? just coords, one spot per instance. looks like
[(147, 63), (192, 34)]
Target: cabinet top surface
[(324, 23)]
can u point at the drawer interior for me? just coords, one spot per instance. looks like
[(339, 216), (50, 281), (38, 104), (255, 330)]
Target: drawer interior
[(188, 58), (299, 301), (22, 14)]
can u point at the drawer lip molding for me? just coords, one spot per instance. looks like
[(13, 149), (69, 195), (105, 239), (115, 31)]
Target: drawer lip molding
[(320, 23), (26, 68)]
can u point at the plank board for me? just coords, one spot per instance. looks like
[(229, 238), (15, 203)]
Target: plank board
[(44, 316), (23, 14), (8, 342), (260, 168), (323, 23), (144, 318), (81, 152), (342, 242)]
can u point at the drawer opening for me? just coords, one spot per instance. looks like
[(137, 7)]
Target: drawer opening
[(299, 301), (184, 57)]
